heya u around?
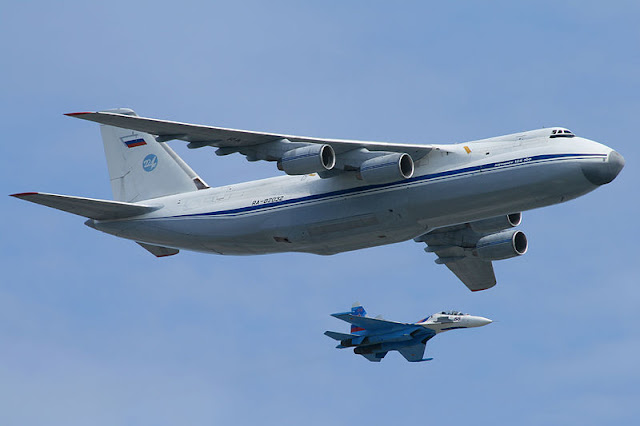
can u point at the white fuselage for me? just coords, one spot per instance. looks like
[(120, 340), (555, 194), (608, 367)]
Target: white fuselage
[(443, 321), (452, 184)]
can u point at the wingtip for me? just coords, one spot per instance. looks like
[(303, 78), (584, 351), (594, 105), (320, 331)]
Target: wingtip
[(23, 194), (76, 114), (483, 288)]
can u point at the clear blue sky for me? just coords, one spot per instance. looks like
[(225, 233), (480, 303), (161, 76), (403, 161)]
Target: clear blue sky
[(94, 330)]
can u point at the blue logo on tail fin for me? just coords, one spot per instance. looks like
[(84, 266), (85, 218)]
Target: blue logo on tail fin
[(359, 312), (149, 163)]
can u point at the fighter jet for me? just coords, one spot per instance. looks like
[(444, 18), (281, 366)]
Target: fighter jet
[(374, 337), (460, 199)]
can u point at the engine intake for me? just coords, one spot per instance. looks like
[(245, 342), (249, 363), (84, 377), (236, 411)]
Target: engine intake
[(502, 245), (307, 159), (387, 168)]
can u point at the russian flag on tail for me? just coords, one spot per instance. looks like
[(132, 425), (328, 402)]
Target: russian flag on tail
[(134, 142)]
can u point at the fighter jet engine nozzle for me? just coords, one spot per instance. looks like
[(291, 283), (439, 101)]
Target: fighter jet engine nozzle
[(502, 245), (495, 224), (308, 159), (387, 168)]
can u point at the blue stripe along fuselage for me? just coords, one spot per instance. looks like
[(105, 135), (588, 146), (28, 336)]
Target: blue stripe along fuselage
[(406, 182)]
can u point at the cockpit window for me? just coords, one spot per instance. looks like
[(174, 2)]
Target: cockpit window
[(453, 313), (561, 133)]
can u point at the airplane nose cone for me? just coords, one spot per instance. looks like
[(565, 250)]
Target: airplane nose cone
[(603, 173), (480, 321)]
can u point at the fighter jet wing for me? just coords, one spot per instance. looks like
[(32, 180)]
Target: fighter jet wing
[(231, 140), (371, 324)]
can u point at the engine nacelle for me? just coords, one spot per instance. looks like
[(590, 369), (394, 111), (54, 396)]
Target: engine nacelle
[(307, 159), (495, 224), (502, 245), (387, 168)]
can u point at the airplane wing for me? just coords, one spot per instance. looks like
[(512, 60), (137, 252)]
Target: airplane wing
[(474, 273), (254, 145), (371, 324), (477, 274)]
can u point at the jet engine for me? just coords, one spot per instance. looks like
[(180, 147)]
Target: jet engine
[(502, 245), (464, 242), (495, 224), (307, 159), (385, 168)]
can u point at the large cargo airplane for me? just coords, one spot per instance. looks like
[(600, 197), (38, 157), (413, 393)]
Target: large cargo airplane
[(460, 199)]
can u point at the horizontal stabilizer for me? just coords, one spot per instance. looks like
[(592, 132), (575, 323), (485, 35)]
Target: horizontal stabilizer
[(340, 336), (87, 207), (158, 251)]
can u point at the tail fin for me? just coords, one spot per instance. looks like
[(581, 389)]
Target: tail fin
[(358, 310), (140, 168)]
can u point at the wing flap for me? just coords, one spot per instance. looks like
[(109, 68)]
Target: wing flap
[(87, 207)]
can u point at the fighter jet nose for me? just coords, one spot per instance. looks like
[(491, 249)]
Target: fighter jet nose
[(484, 321), (480, 321), (603, 173)]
